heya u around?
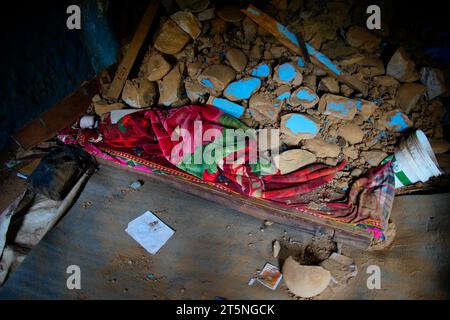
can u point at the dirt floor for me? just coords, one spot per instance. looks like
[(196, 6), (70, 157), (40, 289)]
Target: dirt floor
[(215, 251)]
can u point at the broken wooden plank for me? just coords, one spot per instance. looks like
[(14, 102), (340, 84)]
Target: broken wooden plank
[(61, 115), (127, 62), (264, 210), (289, 39)]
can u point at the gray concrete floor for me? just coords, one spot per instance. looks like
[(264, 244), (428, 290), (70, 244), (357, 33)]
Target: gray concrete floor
[(215, 251)]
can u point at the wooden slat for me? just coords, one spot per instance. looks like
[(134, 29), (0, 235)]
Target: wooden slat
[(64, 113), (263, 210), (127, 62), (282, 34)]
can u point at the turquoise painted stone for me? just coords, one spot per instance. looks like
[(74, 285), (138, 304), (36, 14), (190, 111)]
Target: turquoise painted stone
[(296, 127), (305, 97), (242, 89), (261, 71)]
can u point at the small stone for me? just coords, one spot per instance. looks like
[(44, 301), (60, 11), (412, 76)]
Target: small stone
[(329, 84), (305, 281), (194, 90), (351, 133), (277, 51), (101, 107), (373, 158), (227, 106), (262, 70), (365, 108), (395, 121), (351, 152), (193, 69), (276, 247), (402, 68), (139, 93), (250, 29), (304, 97), (237, 59), (372, 67), (292, 160), (268, 223), (287, 73), (170, 87), (434, 81), (242, 89), (356, 172), (255, 52), (409, 94), (230, 13), (322, 149), (337, 106), (386, 81), (218, 26), (171, 39), (156, 67), (296, 127), (193, 5), (207, 14), (359, 37), (283, 92), (263, 109), (188, 23), (216, 78)]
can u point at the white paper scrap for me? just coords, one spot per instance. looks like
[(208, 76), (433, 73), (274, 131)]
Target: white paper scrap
[(149, 231)]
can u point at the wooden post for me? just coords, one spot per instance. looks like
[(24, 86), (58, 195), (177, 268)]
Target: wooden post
[(115, 88)]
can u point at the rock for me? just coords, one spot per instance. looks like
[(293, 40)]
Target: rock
[(276, 247), (304, 97), (362, 38), (230, 13), (250, 29), (156, 67), (139, 93), (372, 67), (283, 92), (305, 281), (434, 81), (337, 106), (263, 109), (193, 69), (402, 68), (373, 158), (218, 26), (102, 107), (296, 126), (356, 172), (255, 52), (188, 23), (170, 87), (310, 81), (342, 268), (365, 108), (207, 14), (277, 51), (171, 39), (329, 84), (227, 106), (386, 81), (218, 39), (242, 89), (194, 90), (395, 121), (292, 160), (322, 149), (409, 94), (287, 73), (193, 5), (237, 59), (351, 152), (351, 133), (262, 70), (216, 78)]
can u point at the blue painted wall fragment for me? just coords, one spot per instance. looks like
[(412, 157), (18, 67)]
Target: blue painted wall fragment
[(207, 83), (284, 95), (304, 94), (286, 72), (228, 107), (340, 107), (242, 89), (301, 62), (262, 70), (324, 59), (298, 123), (397, 122)]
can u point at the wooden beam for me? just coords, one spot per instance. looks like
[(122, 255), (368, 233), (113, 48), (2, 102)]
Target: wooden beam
[(287, 38), (115, 88), (61, 115), (261, 209)]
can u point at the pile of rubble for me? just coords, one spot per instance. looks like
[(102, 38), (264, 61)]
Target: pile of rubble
[(217, 55)]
